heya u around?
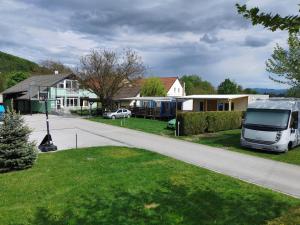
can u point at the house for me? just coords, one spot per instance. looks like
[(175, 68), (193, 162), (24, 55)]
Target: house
[(200, 103), (173, 87), (62, 91)]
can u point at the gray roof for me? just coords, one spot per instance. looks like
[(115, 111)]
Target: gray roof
[(38, 81)]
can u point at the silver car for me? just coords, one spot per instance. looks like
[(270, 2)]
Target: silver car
[(119, 113)]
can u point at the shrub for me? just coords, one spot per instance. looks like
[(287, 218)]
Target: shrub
[(218, 121), (16, 152), (200, 122), (192, 123)]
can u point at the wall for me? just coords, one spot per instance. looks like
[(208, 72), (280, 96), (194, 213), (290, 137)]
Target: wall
[(187, 105), (178, 89), (240, 104)]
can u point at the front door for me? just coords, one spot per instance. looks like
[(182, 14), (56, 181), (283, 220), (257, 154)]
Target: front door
[(59, 103)]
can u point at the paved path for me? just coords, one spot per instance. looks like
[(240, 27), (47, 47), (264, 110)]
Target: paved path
[(267, 173)]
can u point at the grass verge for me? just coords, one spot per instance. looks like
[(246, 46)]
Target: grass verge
[(118, 185), (229, 140)]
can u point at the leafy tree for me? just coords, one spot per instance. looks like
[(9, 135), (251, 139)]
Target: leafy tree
[(153, 87), (249, 91), (293, 92), (105, 72), (269, 20), (15, 77), (195, 85), (3, 81), (286, 63), (16, 152), (228, 87)]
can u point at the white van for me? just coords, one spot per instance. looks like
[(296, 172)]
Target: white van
[(272, 125)]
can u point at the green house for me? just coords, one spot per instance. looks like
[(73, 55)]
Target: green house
[(62, 91)]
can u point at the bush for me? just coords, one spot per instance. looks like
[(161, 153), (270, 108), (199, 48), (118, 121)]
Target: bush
[(16, 152), (218, 121), (192, 123)]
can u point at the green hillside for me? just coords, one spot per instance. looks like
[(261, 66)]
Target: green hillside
[(9, 63)]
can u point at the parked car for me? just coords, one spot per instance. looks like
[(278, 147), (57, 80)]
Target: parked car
[(119, 113), (172, 124), (2, 112)]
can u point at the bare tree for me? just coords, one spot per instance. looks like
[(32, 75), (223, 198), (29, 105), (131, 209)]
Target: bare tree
[(49, 66), (105, 72)]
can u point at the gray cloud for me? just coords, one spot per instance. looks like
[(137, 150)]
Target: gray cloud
[(171, 35), (209, 39), (253, 41)]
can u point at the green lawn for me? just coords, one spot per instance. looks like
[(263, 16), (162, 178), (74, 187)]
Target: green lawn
[(118, 185), (231, 140), (226, 139), (146, 125)]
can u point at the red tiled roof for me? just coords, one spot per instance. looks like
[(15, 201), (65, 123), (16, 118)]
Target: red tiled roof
[(133, 89), (168, 82)]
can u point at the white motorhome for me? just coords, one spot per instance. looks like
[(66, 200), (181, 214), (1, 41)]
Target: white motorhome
[(272, 125)]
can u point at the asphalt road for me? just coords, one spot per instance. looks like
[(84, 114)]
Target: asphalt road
[(271, 174)]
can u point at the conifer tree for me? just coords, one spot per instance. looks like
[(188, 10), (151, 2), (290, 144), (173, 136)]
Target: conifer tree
[(16, 151)]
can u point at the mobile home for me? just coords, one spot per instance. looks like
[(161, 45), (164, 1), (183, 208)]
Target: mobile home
[(272, 125)]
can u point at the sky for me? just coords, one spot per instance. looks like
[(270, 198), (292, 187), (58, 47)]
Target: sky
[(173, 37)]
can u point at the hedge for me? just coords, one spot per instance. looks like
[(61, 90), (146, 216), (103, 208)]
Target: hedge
[(200, 122)]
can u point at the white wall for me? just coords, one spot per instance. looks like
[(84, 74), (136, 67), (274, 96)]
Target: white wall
[(176, 89), (187, 105)]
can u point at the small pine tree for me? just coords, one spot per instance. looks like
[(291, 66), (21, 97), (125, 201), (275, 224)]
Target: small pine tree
[(16, 151)]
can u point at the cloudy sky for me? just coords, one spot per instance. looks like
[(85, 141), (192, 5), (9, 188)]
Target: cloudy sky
[(174, 37)]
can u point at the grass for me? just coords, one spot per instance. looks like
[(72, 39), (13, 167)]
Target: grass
[(141, 124), (225, 139), (231, 140), (118, 185)]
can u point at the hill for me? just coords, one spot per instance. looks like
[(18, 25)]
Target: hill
[(270, 91), (10, 63)]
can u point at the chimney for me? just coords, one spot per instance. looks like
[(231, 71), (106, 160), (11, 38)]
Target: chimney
[(55, 72)]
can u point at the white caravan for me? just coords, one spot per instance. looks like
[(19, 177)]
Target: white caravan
[(272, 125)]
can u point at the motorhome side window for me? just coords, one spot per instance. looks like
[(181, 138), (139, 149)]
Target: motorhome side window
[(294, 120)]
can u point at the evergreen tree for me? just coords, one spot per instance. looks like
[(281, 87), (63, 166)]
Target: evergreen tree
[(16, 152)]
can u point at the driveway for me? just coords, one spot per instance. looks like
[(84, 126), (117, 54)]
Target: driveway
[(275, 175)]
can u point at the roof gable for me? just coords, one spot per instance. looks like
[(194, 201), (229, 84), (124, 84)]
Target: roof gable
[(38, 80)]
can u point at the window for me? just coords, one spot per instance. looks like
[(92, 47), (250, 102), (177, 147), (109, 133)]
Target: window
[(68, 84), (226, 106), (61, 85), (201, 106), (75, 102), (294, 120), (119, 111), (124, 110), (174, 90), (221, 107), (178, 90), (265, 117), (74, 84)]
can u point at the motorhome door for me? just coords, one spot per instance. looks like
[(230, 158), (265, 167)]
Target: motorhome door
[(294, 128)]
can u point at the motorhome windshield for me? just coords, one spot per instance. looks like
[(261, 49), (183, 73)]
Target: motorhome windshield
[(267, 118)]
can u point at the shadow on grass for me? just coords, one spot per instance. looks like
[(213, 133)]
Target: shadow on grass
[(171, 204), (232, 141)]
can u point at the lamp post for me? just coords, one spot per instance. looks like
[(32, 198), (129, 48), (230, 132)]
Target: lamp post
[(47, 143)]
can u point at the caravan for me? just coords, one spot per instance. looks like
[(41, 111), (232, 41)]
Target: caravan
[(272, 125)]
